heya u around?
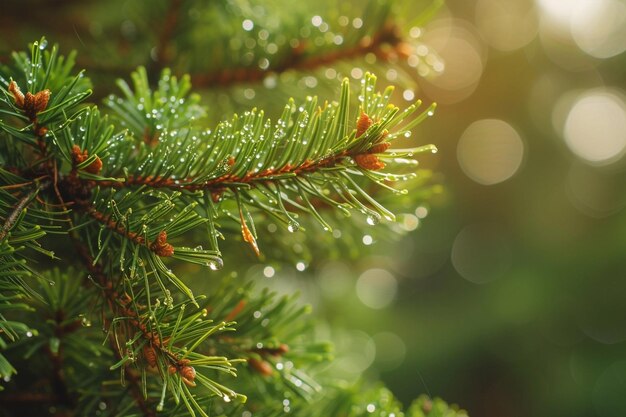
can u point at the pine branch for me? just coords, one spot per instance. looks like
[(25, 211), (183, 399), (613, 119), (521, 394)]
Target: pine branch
[(127, 189), (159, 246), (387, 45)]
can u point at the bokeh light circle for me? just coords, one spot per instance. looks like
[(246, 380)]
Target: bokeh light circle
[(507, 25), (599, 27), (595, 127), (460, 46), (490, 151), (376, 288)]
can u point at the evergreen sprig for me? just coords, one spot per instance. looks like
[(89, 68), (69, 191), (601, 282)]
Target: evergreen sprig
[(129, 191)]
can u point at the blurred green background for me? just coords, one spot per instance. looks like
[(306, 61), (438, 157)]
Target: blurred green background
[(508, 298)]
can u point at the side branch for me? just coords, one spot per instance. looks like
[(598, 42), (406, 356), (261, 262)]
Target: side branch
[(366, 160), (158, 246), (121, 305), (386, 44)]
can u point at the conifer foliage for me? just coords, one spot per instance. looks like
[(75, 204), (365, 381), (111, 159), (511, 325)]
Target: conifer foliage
[(103, 205)]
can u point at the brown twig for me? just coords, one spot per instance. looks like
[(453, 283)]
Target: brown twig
[(167, 31), (366, 159)]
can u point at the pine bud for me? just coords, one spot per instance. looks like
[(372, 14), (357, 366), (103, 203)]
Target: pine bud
[(261, 366), (161, 247), (188, 374), (79, 157), (41, 100), (17, 94), (30, 103), (369, 161), (363, 124), (379, 148)]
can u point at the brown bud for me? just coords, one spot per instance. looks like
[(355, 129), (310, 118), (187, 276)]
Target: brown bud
[(81, 156), (17, 94), (261, 366), (171, 369), (78, 156), (188, 373), (369, 161), (161, 247), (29, 105), (379, 148), (41, 100), (363, 124), (95, 166), (41, 131)]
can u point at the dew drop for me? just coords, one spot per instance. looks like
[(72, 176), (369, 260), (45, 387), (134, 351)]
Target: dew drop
[(215, 264), (373, 219), (293, 226)]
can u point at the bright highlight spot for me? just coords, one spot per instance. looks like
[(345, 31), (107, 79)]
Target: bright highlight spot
[(599, 27), (595, 128), (269, 272), (490, 151), (247, 25)]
